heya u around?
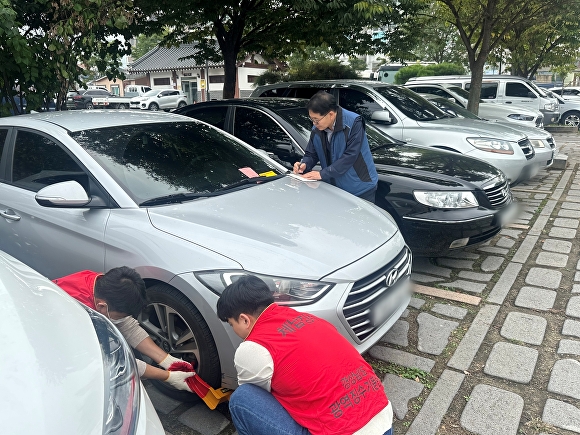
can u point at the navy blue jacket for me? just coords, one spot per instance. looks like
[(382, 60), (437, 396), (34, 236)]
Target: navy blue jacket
[(346, 161)]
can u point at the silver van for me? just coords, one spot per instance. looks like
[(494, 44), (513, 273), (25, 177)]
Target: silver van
[(504, 89), (405, 115)]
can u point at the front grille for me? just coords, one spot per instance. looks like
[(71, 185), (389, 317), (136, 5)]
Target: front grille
[(527, 148), (498, 195), (540, 121), (367, 291)]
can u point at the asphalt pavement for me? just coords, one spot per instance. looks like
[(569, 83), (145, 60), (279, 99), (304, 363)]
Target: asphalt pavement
[(490, 343)]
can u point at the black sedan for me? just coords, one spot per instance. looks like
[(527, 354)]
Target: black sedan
[(441, 200)]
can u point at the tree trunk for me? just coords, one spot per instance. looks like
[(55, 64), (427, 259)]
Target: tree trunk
[(230, 59)]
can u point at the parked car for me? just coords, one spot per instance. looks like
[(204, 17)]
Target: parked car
[(159, 99), (440, 200), (406, 116), (191, 208), (83, 99), (567, 93), (542, 141), (66, 368), (517, 115), (504, 89), (569, 111)]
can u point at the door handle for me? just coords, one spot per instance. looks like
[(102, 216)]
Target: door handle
[(10, 216)]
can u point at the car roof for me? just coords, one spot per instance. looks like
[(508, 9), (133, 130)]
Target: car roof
[(360, 82), (272, 103), (77, 120)]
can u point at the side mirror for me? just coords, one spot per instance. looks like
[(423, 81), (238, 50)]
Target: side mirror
[(382, 117), (68, 194)]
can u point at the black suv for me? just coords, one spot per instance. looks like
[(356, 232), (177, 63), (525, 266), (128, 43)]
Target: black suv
[(83, 99)]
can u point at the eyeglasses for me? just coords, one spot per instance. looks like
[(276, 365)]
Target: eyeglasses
[(317, 121)]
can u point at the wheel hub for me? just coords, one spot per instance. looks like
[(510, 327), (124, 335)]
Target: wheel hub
[(165, 346)]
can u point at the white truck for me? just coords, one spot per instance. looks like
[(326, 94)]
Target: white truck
[(116, 102)]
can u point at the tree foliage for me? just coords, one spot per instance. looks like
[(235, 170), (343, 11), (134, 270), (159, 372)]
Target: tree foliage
[(439, 69), (483, 25), (227, 30), (553, 42), (43, 43)]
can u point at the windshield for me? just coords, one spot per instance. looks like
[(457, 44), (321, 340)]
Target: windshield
[(155, 160), (410, 103), (298, 118), (453, 108), (537, 89), (151, 93)]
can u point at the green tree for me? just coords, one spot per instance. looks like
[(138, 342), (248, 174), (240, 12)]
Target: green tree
[(483, 25), (226, 30), (46, 42), (145, 43), (552, 42)]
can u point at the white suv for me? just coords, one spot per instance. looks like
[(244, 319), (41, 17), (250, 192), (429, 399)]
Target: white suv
[(159, 99)]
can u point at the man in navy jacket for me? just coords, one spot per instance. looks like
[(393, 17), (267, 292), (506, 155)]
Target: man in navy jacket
[(339, 143)]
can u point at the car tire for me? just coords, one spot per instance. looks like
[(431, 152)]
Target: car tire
[(89, 106), (181, 104), (571, 119), (185, 319), (123, 106), (154, 107)]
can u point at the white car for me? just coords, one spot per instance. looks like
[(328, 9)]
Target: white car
[(542, 141), (568, 92), (159, 99), (502, 112), (65, 368)]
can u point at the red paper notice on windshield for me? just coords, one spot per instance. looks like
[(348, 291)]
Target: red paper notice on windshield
[(248, 172)]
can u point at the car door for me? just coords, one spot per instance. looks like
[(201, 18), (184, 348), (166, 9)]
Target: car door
[(165, 100), (35, 234), (262, 131), (518, 93)]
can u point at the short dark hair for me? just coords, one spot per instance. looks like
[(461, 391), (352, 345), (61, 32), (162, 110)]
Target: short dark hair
[(248, 295), (322, 102), (123, 289)]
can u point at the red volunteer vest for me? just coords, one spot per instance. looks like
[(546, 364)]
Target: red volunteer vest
[(319, 377), (81, 286)]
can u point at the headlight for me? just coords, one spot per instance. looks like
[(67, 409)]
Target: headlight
[(121, 378), (520, 117), (492, 145), (287, 291), (538, 143), (551, 107), (446, 199)]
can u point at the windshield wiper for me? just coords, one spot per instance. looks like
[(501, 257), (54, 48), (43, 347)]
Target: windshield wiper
[(253, 180), (176, 198)]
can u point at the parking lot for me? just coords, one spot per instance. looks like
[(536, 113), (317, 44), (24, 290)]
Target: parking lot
[(490, 343)]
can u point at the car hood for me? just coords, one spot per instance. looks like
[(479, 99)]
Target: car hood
[(284, 227), (530, 132), (473, 127), (411, 159), (51, 363)]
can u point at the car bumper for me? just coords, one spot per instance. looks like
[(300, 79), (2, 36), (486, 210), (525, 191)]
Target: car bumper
[(550, 117), (148, 422), (544, 157), (515, 167), (436, 233)]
